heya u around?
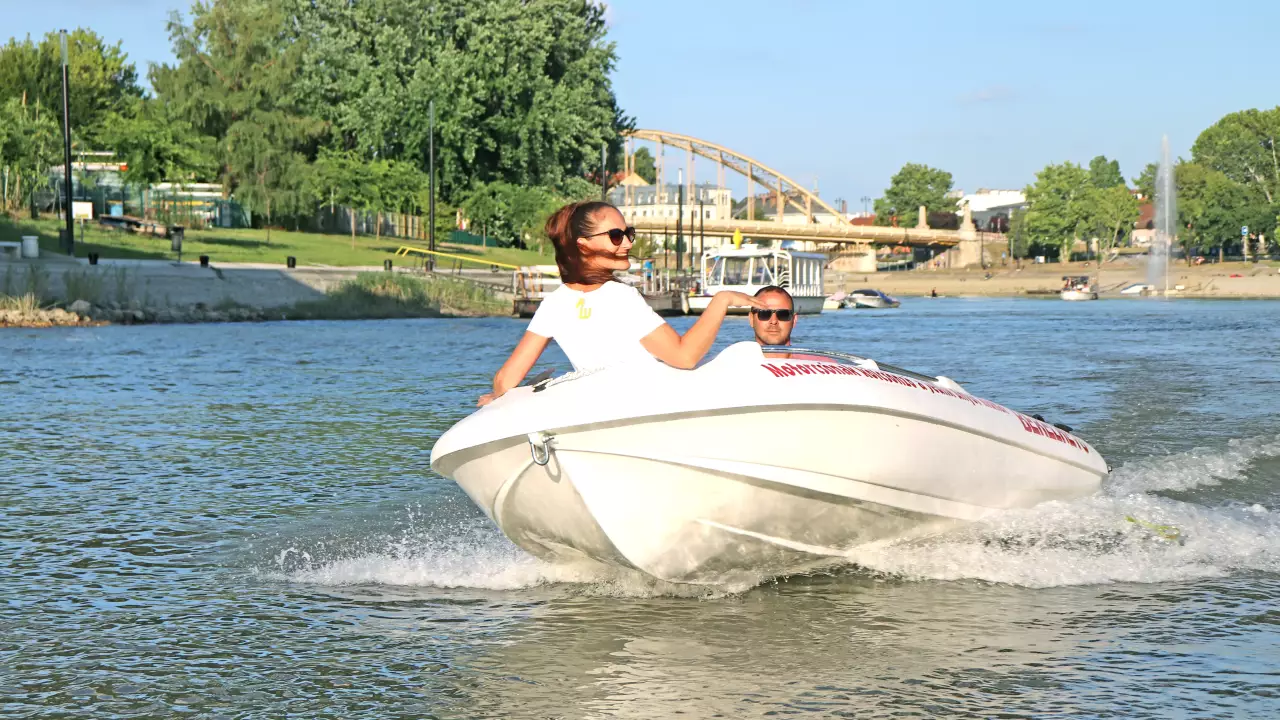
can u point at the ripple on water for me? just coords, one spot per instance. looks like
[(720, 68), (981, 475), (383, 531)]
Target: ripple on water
[(239, 521)]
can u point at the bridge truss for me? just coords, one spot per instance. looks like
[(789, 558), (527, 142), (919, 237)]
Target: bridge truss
[(786, 193)]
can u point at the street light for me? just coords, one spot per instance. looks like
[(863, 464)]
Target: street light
[(69, 237), (431, 184), (865, 201)]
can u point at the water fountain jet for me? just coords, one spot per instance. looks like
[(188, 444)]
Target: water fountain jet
[(1166, 217)]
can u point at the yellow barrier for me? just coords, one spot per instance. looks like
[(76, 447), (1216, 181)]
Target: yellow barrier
[(407, 249)]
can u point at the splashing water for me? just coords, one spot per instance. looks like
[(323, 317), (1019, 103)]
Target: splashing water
[(470, 554), (1083, 542), (1091, 541)]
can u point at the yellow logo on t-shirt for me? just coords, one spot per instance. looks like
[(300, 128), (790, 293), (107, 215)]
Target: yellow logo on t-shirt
[(584, 312)]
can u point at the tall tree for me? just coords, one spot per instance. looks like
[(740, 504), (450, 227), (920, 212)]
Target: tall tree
[(30, 142), (521, 87), (1212, 207), (1104, 173), (1244, 146), (234, 82), (344, 180), (1019, 243), (1059, 206), (105, 83), (158, 146), (510, 212), (645, 166), (912, 186), (1113, 214), (1146, 182)]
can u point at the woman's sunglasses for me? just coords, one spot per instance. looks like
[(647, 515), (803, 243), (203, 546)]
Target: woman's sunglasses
[(765, 314), (616, 235)]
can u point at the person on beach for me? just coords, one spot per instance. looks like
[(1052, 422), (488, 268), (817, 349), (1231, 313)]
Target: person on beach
[(773, 323), (597, 321)]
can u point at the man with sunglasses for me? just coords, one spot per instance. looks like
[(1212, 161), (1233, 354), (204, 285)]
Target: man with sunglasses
[(774, 322)]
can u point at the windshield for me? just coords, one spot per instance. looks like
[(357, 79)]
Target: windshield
[(735, 270), (715, 273), (763, 271)]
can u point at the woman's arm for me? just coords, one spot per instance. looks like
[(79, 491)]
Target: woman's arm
[(527, 352), (685, 352)]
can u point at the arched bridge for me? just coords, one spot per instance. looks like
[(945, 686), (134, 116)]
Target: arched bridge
[(785, 193)]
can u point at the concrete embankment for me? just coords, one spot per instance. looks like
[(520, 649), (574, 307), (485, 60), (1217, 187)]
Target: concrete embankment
[(63, 291)]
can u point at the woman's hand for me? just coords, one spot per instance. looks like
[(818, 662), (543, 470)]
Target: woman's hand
[(732, 298), (485, 399)]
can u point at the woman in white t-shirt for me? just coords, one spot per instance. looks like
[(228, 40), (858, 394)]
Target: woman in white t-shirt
[(597, 321)]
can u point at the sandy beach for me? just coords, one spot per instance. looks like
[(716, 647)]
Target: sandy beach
[(1216, 280)]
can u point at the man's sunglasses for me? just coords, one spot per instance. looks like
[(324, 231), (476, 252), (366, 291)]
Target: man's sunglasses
[(765, 314), (616, 235)]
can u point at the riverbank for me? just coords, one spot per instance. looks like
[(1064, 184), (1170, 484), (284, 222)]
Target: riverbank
[(226, 246), (1226, 280), (61, 292)]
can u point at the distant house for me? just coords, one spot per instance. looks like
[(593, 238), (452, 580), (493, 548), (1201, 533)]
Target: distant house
[(991, 206), (1144, 230)]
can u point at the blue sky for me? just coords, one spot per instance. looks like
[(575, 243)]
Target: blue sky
[(847, 91)]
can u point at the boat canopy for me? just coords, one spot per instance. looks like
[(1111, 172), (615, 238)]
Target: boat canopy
[(750, 268)]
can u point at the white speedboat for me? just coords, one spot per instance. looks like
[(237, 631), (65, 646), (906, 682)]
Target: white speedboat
[(1077, 287), (748, 268), (749, 466), (870, 299)]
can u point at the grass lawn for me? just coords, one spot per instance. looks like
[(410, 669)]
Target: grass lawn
[(251, 246)]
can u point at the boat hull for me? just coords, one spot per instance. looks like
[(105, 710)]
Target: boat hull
[(866, 303), (649, 496), (1078, 295), (723, 490)]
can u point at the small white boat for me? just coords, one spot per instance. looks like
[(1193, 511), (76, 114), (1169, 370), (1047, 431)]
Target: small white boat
[(750, 466), (870, 299), (750, 267), (1077, 287), (834, 301), (1138, 289)]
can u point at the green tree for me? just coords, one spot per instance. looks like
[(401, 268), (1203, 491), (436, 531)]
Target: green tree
[(1212, 207), (343, 180), (577, 189), (1114, 212), (158, 146), (30, 142), (1105, 173), (104, 82), (1244, 146), (1146, 182), (511, 212), (1019, 243), (521, 87), (1059, 206), (645, 166), (914, 185), (234, 82)]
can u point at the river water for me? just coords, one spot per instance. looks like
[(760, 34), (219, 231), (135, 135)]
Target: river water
[(240, 521)]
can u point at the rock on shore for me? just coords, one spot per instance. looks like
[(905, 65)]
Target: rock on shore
[(82, 313), (52, 317)]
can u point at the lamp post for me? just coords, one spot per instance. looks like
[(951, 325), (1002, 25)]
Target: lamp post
[(865, 202), (431, 184), (604, 176), (679, 219), (68, 234), (702, 236)]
